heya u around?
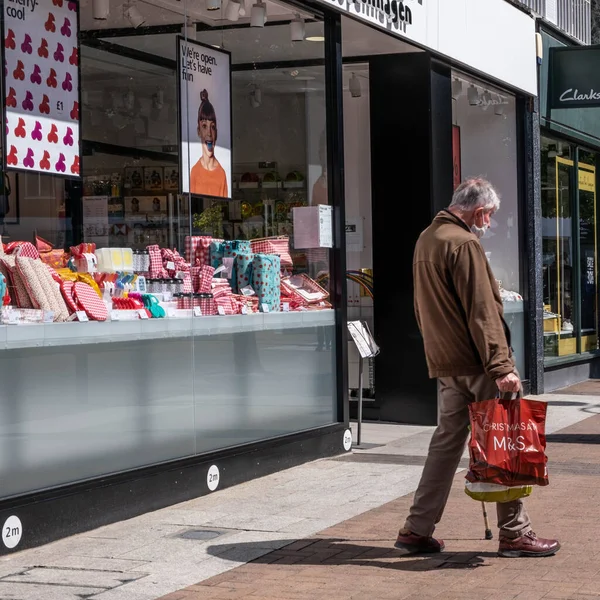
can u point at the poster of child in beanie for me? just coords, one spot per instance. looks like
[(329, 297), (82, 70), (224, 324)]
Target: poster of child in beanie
[(205, 114)]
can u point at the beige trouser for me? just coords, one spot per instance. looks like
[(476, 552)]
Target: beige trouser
[(445, 452)]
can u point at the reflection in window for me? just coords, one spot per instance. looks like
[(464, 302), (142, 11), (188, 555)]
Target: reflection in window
[(570, 250), (588, 251), (560, 337), (485, 144)]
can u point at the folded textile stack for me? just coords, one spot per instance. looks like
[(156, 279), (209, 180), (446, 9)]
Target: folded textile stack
[(250, 302), (243, 269), (197, 249), (220, 250), (157, 270), (223, 296), (173, 262), (229, 305), (291, 300), (195, 275), (279, 245), (205, 277), (266, 281)]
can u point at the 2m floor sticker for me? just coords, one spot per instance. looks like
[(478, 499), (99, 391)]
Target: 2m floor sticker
[(213, 478), (347, 440), (12, 532)]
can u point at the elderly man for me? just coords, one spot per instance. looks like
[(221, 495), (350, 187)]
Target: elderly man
[(467, 346)]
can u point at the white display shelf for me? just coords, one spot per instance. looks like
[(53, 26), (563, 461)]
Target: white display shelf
[(68, 334)]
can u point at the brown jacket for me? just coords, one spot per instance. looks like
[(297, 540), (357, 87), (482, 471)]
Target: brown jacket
[(458, 304)]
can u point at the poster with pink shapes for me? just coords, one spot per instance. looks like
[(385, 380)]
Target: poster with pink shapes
[(41, 84)]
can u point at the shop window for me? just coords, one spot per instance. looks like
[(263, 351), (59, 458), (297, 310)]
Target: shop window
[(569, 228), (485, 144), (197, 242)]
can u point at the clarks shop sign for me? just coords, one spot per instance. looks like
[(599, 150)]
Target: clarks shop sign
[(405, 17), (574, 80)]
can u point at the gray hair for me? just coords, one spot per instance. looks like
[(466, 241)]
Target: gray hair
[(474, 193)]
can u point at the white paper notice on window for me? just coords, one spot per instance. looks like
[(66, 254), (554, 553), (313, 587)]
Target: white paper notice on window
[(325, 226), (96, 226), (313, 226)]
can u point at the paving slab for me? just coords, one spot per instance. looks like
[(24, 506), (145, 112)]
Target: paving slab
[(355, 559), (265, 516)]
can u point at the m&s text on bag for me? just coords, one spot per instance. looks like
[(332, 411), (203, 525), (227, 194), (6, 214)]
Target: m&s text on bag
[(507, 443)]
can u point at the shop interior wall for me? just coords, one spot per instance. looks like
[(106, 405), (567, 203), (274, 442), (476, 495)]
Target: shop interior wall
[(488, 149), (285, 115), (401, 173), (41, 202)]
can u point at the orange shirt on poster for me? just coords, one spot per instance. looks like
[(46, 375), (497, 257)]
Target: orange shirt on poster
[(208, 183)]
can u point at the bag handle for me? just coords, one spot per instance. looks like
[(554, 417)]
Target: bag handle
[(510, 395)]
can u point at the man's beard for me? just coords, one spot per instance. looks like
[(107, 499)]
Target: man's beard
[(479, 231)]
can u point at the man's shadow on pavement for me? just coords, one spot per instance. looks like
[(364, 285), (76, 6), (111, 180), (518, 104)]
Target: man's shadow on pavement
[(332, 552)]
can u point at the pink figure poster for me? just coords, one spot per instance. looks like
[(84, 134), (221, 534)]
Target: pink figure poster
[(41, 83)]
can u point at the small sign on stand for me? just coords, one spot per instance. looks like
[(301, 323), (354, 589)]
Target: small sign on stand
[(367, 348)]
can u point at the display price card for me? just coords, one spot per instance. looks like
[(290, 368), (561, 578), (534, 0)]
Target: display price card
[(41, 85)]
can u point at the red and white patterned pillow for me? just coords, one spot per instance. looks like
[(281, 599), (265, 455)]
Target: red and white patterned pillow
[(66, 289), (18, 290), (22, 249), (90, 302), (43, 290)]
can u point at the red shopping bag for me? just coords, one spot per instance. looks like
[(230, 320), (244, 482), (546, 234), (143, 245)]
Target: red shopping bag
[(508, 442)]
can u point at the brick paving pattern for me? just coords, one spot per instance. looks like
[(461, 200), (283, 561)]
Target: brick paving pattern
[(356, 559)]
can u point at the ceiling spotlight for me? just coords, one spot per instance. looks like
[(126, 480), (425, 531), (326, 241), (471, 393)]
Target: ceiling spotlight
[(258, 15), (255, 96), (189, 30), (100, 9), (297, 29), (232, 12), (134, 16), (213, 4), (473, 95), (315, 38), (355, 89), (457, 87)]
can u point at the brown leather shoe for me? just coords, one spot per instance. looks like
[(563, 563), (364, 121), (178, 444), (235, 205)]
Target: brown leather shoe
[(411, 543), (527, 545)]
